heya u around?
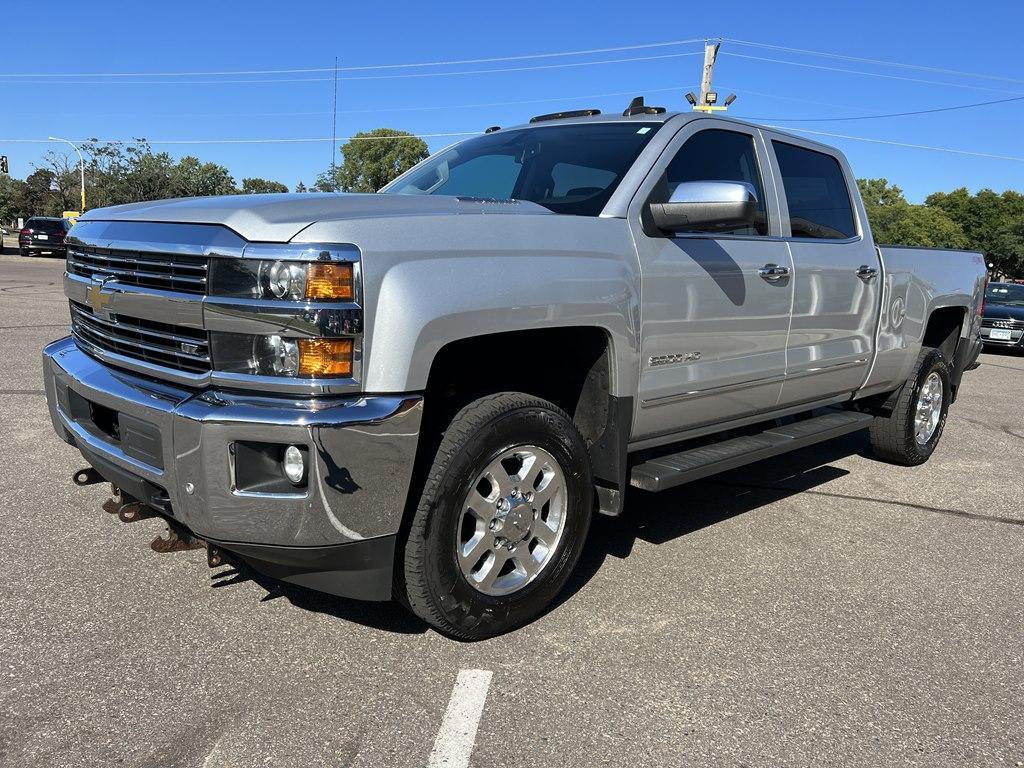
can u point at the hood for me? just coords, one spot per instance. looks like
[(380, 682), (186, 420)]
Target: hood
[(996, 311), (278, 218)]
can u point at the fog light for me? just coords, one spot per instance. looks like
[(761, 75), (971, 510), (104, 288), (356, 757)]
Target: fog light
[(294, 465)]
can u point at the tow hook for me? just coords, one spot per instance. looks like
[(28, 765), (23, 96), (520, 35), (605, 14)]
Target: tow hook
[(134, 511), (177, 539), (214, 557), (87, 476)]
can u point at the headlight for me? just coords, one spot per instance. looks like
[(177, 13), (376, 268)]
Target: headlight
[(287, 280), (282, 279), (279, 356), (276, 354)]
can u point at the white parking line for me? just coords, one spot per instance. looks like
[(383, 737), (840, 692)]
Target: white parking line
[(454, 742)]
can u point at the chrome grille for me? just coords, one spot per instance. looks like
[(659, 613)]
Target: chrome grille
[(172, 346), (168, 271)]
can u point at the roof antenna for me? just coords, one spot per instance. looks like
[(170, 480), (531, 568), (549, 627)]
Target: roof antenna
[(636, 107)]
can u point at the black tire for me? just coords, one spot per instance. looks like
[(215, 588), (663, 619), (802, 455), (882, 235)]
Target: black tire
[(893, 437), (435, 587)]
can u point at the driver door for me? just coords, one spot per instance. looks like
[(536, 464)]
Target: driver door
[(715, 306)]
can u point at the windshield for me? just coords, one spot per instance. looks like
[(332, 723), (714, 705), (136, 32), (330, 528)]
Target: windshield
[(566, 168), (1005, 293)]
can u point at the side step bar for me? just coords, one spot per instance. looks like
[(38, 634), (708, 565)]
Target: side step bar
[(687, 466)]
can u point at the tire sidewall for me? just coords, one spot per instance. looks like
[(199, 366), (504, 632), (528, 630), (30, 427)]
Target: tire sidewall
[(934, 362), (463, 605)]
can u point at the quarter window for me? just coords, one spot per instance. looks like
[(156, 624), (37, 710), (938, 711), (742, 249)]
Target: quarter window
[(716, 155), (819, 201)]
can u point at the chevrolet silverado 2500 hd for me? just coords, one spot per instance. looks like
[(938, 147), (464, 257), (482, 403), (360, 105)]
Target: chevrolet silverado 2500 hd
[(426, 392)]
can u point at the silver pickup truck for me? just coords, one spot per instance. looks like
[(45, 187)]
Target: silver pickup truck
[(426, 393)]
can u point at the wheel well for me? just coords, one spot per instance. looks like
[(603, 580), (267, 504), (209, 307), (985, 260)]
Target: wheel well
[(943, 330), (568, 366)]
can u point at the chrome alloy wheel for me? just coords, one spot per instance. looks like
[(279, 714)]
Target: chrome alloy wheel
[(928, 410), (512, 520)]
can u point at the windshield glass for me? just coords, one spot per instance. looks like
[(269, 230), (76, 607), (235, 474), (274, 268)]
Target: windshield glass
[(1005, 293), (566, 168)]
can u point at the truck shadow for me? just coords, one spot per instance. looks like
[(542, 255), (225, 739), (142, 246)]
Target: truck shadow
[(661, 517), (654, 518)]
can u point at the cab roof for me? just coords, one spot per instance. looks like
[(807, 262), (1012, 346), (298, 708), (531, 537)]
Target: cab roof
[(662, 117)]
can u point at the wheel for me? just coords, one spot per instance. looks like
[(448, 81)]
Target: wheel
[(909, 435), (502, 518)]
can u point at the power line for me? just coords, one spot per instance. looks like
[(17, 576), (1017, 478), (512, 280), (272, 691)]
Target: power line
[(868, 74), (879, 62), (250, 141), (900, 144), (366, 77), (890, 114), (451, 134), (452, 62), (384, 108)]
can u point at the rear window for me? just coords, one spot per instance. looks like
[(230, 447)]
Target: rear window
[(819, 201), (46, 225)]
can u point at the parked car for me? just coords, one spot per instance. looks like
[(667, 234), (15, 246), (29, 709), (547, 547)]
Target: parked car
[(43, 234), (1003, 323), (427, 392)]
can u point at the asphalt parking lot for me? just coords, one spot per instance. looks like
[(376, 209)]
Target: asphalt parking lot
[(821, 608)]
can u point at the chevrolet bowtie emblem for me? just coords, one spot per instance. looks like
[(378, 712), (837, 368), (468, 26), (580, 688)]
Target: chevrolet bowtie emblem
[(99, 300)]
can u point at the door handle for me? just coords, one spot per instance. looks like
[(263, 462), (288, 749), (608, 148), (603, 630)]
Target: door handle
[(866, 273), (773, 272)]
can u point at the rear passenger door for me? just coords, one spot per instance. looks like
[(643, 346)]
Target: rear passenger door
[(714, 318), (836, 273)]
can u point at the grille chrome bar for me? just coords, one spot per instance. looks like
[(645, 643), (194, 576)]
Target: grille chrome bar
[(185, 274), (168, 345)]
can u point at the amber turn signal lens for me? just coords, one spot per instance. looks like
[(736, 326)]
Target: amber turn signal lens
[(330, 282), (325, 357)]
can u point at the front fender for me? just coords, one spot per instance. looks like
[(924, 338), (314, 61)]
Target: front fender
[(424, 305), (429, 280)]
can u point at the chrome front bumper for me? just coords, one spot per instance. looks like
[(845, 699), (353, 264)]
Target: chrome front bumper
[(361, 450)]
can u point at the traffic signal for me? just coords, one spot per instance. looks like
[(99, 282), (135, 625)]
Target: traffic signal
[(3, 164)]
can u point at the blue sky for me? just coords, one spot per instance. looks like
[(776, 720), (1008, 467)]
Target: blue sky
[(187, 36)]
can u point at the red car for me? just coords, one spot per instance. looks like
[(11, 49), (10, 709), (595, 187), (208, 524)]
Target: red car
[(44, 234)]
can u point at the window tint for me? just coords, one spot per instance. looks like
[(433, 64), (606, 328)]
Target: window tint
[(570, 169), (579, 180), (715, 155), (819, 202), (45, 225), (490, 176)]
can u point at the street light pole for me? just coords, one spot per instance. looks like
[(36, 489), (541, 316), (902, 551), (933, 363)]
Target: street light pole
[(81, 164)]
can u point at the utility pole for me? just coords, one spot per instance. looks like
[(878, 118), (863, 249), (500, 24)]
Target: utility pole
[(81, 161), (334, 125), (708, 95)]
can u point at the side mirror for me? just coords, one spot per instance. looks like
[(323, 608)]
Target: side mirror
[(707, 206)]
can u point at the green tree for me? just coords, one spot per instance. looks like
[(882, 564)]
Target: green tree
[(300, 187), (372, 159), (985, 217), (262, 186), (1009, 247), (895, 221), (12, 195), (191, 177), (877, 192), (37, 194)]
